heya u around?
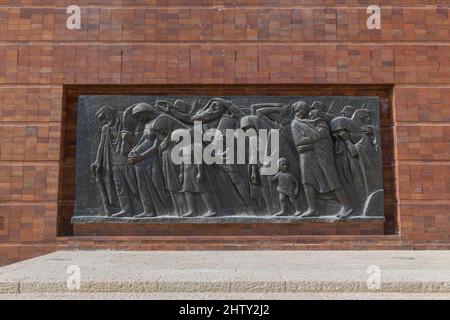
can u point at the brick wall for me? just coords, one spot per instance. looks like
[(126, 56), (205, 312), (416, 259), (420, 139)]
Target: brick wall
[(228, 42)]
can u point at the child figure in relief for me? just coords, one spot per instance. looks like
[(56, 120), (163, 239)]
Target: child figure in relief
[(287, 188)]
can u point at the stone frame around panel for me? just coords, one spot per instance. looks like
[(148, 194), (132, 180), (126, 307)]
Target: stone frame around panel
[(67, 173)]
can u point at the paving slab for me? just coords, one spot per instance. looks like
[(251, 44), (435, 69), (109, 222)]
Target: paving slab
[(296, 274)]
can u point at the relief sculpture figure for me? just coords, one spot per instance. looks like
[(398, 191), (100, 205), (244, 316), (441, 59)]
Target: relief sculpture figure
[(328, 162), (191, 177), (164, 125), (110, 168), (272, 116), (360, 147), (287, 188), (228, 116), (315, 148), (145, 158)]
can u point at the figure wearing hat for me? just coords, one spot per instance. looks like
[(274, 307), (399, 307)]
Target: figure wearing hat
[(110, 168)]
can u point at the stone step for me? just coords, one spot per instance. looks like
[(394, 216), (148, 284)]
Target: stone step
[(288, 273)]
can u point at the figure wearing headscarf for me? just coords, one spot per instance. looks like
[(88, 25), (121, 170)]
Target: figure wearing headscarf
[(164, 125), (145, 158), (360, 147), (345, 164), (363, 119), (348, 167), (110, 168)]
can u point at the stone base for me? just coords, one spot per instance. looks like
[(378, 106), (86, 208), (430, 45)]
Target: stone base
[(226, 226), (232, 272)]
